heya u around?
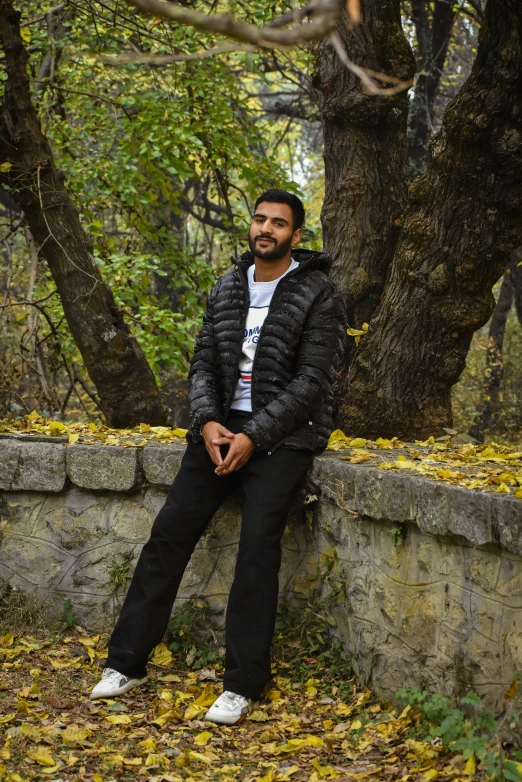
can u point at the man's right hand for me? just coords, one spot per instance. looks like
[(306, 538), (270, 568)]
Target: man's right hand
[(214, 431)]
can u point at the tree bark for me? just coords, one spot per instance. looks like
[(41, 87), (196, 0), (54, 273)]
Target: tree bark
[(494, 371), (115, 362), (516, 281), (461, 227), (365, 154), (433, 37)]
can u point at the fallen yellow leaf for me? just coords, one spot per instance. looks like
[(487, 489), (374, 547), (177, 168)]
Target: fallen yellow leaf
[(31, 732), (202, 739), (162, 655), (149, 745), (42, 756), (132, 761), (324, 771), (338, 441), (201, 704), (471, 766), (7, 640), (119, 719), (168, 716), (74, 733)]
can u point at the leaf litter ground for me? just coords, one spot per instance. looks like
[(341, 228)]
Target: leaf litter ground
[(310, 726)]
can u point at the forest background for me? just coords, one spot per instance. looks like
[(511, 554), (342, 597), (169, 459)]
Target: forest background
[(166, 133)]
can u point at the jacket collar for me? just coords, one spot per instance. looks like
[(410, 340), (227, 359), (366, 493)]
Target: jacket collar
[(307, 259)]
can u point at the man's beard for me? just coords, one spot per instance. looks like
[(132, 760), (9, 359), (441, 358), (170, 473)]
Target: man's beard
[(278, 251)]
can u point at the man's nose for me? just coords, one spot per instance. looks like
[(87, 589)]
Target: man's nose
[(267, 227)]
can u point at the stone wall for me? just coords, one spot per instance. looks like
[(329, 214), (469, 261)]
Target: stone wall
[(433, 573)]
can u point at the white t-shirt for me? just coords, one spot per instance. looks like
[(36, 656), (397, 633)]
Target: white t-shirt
[(260, 297)]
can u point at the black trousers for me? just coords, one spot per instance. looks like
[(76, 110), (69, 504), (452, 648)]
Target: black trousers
[(269, 484)]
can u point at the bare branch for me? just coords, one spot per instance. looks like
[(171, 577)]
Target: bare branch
[(164, 59), (54, 10), (369, 78), (321, 24)]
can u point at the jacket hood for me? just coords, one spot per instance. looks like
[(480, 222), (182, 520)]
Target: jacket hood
[(311, 259)]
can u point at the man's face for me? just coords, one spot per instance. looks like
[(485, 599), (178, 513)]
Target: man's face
[(271, 233)]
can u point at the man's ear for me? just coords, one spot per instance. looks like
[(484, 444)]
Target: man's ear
[(296, 238)]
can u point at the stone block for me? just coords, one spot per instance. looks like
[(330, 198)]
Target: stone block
[(398, 498), (131, 520), (512, 641), (509, 584), (507, 523), (161, 463), (103, 467), (392, 557), (470, 514), (481, 569), (486, 617), (385, 602), (334, 529), (368, 492), (9, 455), (455, 610), (34, 562), (360, 588), (91, 571), (334, 480), (22, 512), (431, 501), (419, 612), (32, 466), (451, 561), (483, 657), (426, 561)]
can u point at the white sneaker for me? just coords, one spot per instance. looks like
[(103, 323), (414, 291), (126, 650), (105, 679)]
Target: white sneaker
[(228, 709), (114, 683)]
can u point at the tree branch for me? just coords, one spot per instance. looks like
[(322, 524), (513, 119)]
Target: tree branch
[(321, 24), (164, 59)]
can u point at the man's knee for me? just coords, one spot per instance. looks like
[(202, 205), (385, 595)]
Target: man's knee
[(259, 550)]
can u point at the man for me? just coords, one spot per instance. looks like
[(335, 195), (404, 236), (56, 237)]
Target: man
[(260, 397)]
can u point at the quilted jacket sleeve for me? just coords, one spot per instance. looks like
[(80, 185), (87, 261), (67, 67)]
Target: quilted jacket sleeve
[(320, 352), (203, 393)]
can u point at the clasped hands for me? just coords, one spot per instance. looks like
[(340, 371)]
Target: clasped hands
[(240, 447)]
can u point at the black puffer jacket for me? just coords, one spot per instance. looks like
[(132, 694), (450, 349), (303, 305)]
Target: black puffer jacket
[(299, 349)]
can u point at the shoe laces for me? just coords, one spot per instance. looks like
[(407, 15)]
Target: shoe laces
[(111, 675), (233, 699)]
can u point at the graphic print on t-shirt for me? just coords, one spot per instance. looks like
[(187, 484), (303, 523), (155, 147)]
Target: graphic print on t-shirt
[(253, 325)]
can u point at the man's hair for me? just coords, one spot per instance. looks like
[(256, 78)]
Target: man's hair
[(275, 196)]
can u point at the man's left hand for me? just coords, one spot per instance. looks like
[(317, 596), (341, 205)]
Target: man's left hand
[(240, 450)]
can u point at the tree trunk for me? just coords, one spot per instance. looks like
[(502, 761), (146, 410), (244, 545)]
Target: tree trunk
[(516, 281), (462, 225), (494, 361), (115, 362), (365, 154), (433, 37)]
